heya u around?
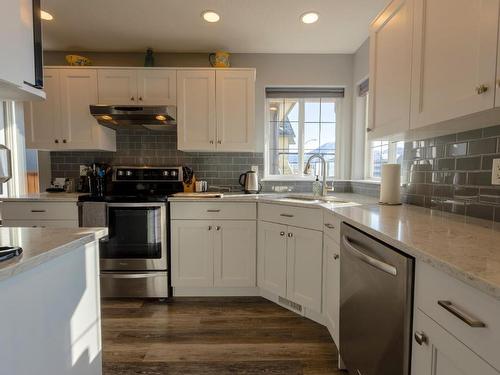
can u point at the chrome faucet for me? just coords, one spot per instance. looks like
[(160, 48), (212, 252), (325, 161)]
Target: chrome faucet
[(323, 170)]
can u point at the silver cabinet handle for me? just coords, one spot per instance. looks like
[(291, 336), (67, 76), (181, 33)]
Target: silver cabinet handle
[(38, 211), (211, 142), (286, 215), (140, 98), (421, 338), (219, 142), (132, 98), (290, 235), (217, 227), (213, 210), (463, 316), (330, 226), (481, 89), (282, 233), (209, 227), (368, 259), (336, 256)]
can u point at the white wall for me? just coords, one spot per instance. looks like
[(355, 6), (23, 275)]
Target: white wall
[(360, 73), (272, 70)]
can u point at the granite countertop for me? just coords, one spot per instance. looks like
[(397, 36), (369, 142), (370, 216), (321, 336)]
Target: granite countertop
[(47, 197), (40, 245), (463, 247)]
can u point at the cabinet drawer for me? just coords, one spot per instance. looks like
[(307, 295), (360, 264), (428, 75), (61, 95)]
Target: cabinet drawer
[(331, 226), (213, 210), (311, 218), (39, 211), (432, 286)]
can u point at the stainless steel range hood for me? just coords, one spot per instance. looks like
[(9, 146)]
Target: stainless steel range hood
[(120, 116)]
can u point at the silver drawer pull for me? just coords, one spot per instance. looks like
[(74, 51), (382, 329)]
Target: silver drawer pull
[(330, 226), (464, 317), (286, 215), (213, 210), (38, 211)]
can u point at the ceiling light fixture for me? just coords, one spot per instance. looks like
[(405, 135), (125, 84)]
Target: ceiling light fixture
[(309, 17), (107, 117), (46, 16), (160, 118), (210, 16)]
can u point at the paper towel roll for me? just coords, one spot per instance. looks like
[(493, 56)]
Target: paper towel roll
[(390, 186)]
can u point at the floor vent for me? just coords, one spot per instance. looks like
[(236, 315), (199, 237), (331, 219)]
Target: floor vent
[(292, 305)]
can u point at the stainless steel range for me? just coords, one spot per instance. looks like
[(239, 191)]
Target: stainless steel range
[(134, 256)]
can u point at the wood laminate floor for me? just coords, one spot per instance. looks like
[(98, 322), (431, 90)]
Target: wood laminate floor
[(191, 336)]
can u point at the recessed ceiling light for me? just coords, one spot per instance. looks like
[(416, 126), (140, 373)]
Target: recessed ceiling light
[(210, 16), (46, 16), (106, 117), (309, 17)]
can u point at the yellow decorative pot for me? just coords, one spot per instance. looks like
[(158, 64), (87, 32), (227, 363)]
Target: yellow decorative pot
[(219, 59)]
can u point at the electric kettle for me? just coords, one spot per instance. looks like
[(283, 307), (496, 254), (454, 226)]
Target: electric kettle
[(250, 182)]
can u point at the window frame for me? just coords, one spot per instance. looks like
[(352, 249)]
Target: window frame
[(391, 159), (338, 133)]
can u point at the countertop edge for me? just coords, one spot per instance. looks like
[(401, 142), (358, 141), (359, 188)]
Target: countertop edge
[(34, 261)]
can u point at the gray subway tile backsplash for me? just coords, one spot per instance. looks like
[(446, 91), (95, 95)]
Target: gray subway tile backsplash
[(461, 181)]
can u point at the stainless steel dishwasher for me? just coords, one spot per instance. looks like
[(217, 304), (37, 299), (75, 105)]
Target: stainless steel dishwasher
[(376, 299)]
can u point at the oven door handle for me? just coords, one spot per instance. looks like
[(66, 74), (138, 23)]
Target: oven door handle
[(390, 269), (137, 204), (114, 275)]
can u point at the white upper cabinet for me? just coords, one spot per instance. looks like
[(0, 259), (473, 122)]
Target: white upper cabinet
[(63, 120), (390, 69), (196, 119), (235, 93), (454, 63), (157, 87), (43, 118), (216, 110), (117, 86), (137, 86)]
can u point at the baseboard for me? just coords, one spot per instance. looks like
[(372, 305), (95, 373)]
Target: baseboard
[(216, 292)]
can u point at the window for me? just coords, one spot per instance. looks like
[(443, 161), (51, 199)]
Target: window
[(383, 152), (301, 123)]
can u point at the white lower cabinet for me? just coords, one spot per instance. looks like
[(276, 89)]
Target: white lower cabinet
[(39, 214), (440, 353), (272, 257), (192, 253), (234, 254), (304, 263), (331, 286), (290, 263), (208, 253)]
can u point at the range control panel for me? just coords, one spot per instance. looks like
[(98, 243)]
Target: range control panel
[(147, 174)]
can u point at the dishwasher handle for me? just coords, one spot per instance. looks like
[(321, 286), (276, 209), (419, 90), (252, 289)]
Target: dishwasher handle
[(387, 268)]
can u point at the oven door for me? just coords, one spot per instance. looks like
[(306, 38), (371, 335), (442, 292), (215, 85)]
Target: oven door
[(137, 238)]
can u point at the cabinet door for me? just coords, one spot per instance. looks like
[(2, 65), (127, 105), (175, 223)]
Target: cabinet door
[(304, 267), (43, 118), (117, 86), (442, 353), (235, 254), (192, 253), (235, 93), (331, 292), (455, 45), (196, 110), (78, 91), (390, 69), (157, 87), (272, 257)]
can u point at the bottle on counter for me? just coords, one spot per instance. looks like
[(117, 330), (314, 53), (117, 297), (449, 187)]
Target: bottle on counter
[(317, 187)]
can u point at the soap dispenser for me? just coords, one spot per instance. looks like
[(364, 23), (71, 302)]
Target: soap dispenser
[(317, 187)]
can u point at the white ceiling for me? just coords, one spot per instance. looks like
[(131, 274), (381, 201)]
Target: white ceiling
[(246, 26)]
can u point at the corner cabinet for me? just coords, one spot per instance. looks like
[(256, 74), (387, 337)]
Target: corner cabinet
[(390, 69), (216, 109), (63, 120)]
